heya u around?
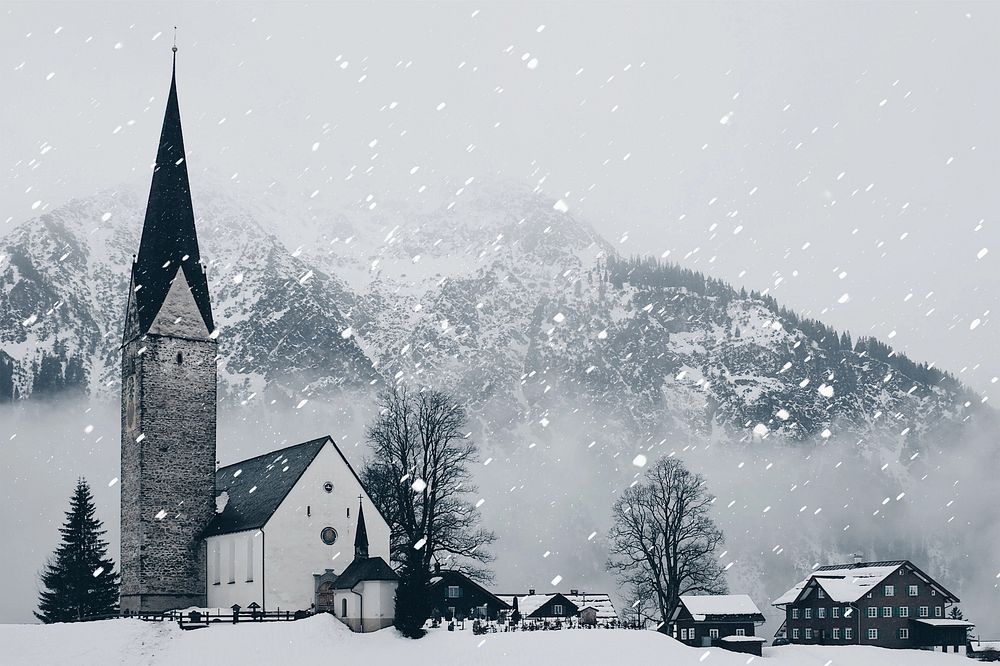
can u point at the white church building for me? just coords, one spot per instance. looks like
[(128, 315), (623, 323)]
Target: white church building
[(284, 521), (293, 529)]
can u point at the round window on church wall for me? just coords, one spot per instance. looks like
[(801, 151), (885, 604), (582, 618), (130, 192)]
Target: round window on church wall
[(328, 487), (328, 535)]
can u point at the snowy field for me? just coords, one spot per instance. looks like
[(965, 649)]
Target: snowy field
[(323, 638)]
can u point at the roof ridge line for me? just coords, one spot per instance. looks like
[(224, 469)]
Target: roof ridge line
[(274, 451)]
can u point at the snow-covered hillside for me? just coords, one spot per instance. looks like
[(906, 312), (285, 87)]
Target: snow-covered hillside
[(323, 638), (574, 362)]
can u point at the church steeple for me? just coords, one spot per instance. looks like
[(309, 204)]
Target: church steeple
[(169, 240), (361, 535)]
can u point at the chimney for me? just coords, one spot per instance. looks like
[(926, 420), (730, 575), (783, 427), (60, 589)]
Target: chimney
[(858, 558), (437, 567), (531, 591), (574, 591)]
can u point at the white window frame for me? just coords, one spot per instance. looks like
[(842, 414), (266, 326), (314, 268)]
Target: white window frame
[(821, 613), (713, 633), (741, 632), (848, 633), (873, 634), (924, 611), (937, 611), (795, 633), (873, 611), (836, 633), (454, 591), (904, 634), (557, 610), (913, 591), (808, 613), (886, 611), (820, 593), (795, 613), (904, 611), (809, 633), (835, 612), (890, 590)]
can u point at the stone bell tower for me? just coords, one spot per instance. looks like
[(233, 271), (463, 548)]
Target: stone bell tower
[(168, 395)]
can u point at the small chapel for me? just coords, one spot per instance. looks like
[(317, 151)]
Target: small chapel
[(293, 529)]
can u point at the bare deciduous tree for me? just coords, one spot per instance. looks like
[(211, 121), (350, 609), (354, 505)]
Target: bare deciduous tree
[(663, 539), (419, 478)]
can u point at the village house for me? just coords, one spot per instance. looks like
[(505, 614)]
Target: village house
[(590, 609), (455, 595), (551, 607), (889, 604), (595, 609), (721, 620)]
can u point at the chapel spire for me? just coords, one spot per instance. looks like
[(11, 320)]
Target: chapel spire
[(361, 535), (169, 240)]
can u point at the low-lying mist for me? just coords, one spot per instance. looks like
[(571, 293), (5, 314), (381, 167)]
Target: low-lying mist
[(548, 480)]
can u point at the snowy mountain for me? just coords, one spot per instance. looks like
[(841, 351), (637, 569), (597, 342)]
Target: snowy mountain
[(578, 365), (501, 297)]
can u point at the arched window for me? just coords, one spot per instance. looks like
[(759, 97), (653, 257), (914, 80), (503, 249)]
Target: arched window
[(343, 608)]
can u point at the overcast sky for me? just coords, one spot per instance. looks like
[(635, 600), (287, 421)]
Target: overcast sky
[(816, 149)]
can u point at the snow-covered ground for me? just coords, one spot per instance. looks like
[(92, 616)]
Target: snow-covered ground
[(323, 638)]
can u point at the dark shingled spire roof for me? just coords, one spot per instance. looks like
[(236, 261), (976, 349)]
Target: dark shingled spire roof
[(169, 239), (361, 536)]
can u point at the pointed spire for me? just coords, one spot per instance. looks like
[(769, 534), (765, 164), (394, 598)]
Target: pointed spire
[(361, 535), (169, 240)]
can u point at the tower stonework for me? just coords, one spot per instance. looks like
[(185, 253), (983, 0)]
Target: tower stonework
[(168, 418)]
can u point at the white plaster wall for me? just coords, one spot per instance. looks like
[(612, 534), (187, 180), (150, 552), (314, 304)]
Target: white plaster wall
[(377, 604), (242, 591), (292, 545)]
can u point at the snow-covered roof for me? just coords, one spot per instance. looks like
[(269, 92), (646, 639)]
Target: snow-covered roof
[(981, 646), (844, 583), (719, 604), (943, 622), (600, 602), (527, 603), (744, 639)]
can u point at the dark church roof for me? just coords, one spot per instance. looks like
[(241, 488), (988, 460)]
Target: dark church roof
[(169, 239), (364, 569), (257, 486)]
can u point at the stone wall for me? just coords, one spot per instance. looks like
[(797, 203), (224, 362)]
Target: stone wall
[(168, 470)]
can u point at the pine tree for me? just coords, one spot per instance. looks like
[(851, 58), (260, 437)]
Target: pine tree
[(79, 578)]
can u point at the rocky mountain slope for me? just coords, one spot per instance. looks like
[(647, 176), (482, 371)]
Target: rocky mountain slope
[(578, 365), (503, 297)]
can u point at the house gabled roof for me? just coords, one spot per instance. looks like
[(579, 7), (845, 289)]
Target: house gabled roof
[(362, 570), (847, 583), (601, 602), (256, 487), (450, 577), (529, 604), (721, 606)]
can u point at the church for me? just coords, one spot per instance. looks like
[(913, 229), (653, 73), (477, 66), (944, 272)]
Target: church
[(293, 529)]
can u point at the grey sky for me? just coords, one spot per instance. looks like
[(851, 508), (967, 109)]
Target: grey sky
[(659, 120)]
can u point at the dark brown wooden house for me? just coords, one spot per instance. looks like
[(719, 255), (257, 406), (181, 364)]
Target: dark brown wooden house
[(721, 620), (890, 604), (543, 607), (455, 594)]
